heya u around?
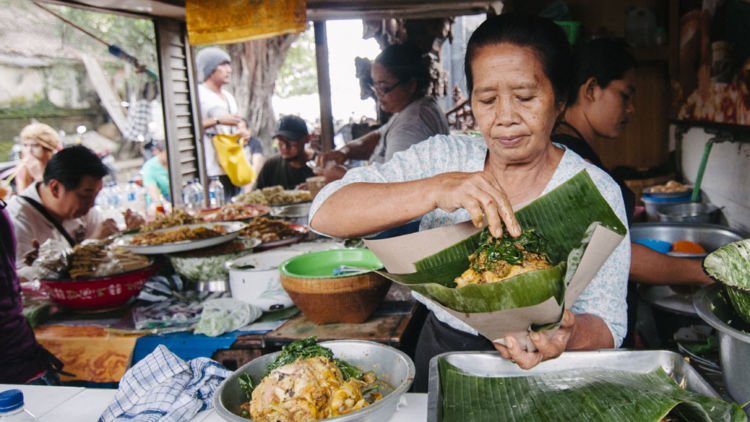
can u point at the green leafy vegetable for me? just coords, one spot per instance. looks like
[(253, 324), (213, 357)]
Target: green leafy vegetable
[(509, 249), (246, 385), (309, 348)]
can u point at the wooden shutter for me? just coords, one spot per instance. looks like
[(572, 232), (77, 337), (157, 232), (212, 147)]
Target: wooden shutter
[(179, 99)]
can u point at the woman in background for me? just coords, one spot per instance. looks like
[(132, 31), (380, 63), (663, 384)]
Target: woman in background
[(401, 78), (39, 142), (600, 103)]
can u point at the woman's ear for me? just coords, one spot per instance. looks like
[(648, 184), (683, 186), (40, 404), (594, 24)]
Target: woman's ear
[(588, 89)]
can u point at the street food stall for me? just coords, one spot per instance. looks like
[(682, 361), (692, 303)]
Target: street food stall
[(276, 306)]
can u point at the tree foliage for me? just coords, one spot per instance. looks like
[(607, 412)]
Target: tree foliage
[(298, 75)]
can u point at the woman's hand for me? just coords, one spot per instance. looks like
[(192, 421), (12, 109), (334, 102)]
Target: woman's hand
[(549, 344), (335, 156), (229, 120), (481, 195)]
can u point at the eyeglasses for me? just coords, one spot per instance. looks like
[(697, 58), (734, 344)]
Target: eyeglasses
[(381, 89)]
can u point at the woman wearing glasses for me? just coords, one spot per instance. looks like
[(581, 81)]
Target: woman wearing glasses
[(39, 142), (400, 80)]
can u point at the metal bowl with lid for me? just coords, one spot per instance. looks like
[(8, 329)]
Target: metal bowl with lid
[(390, 365), (713, 307)]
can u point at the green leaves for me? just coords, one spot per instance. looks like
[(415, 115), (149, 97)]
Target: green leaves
[(580, 395), (308, 348), (563, 217)]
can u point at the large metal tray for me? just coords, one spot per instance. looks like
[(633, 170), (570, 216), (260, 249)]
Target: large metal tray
[(490, 364), (231, 231)]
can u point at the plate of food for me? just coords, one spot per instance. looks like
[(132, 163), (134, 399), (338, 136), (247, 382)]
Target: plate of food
[(671, 189), (274, 232), (180, 239), (177, 217), (234, 212), (273, 195)]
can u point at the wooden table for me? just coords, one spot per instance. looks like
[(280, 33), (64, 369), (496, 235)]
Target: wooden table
[(396, 324)]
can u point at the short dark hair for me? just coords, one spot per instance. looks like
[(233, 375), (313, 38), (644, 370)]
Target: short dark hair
[(542, 35), (604, 59), (407, 62), (71, 164)]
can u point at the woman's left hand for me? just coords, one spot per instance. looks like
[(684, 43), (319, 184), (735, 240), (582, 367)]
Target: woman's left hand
[(549, 344)]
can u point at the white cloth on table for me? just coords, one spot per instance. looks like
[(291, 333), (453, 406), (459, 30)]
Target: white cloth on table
[(163, 387), (605, 294)]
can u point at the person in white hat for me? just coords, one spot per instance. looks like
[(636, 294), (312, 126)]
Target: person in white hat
[(218, 109), (38, 143)]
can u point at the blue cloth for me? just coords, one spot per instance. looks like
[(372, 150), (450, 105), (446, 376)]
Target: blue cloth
[(184, 344), (163, 387)]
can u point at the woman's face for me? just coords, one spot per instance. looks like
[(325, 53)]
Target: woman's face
[(612, 106), (513, 102), (30, 148), (392, 94)]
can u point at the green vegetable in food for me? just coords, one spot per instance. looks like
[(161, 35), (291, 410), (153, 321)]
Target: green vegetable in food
[(510, 249), (308, 348), (246, 385)]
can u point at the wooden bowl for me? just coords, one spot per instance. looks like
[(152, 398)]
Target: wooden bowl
[(326, 298)]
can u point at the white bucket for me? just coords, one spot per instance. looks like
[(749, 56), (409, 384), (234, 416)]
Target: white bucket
[(255, 279)]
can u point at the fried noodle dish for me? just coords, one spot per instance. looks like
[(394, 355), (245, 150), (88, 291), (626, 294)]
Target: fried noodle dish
[(177, 217), (306, 383), (177, 235), (496, 259), (232, 212), (269, 230)]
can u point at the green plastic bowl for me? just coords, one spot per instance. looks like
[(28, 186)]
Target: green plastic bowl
[(323, 264)]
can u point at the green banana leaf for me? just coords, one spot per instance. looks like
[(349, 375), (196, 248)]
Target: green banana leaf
[(730, 265), (589, 395), (565, 217)]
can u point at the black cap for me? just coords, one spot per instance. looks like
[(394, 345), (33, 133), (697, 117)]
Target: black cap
[(291, 127)]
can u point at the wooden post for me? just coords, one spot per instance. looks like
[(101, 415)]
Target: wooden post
[(324, 86)]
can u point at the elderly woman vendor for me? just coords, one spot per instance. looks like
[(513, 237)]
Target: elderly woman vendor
[(517, 70)]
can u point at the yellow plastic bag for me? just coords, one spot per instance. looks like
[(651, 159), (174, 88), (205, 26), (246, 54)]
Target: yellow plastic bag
[(232, 159)]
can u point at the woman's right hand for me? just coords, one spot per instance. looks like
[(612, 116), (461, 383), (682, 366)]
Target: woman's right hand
[(324, 158), (481, 195)]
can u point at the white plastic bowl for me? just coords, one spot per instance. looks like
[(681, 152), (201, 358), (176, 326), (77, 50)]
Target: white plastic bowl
[(255, 279)]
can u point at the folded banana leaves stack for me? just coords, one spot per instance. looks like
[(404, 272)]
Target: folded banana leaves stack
[(576, 395)]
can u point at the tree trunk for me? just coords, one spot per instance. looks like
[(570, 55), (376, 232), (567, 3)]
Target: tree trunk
[(255, 66)]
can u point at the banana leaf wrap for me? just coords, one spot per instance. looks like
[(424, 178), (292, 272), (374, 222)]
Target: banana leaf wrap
[(575, 395), (730, 265), (565, 217)]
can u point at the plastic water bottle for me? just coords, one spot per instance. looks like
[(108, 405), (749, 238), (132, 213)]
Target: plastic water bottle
[(12, 407), (136, 198), (187, 198), (215, 193), (198, 194)]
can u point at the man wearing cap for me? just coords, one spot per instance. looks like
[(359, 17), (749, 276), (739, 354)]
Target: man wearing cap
[(218, 110), (288, 169)]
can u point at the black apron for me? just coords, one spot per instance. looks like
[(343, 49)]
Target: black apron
[(436, 338)]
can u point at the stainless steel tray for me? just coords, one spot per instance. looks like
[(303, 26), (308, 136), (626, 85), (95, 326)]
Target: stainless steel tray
[(490, 364)]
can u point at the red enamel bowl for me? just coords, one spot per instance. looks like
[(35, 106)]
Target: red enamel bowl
[(100, 293)]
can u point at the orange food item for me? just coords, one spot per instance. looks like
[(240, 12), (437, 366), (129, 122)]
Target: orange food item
[(687, 246)]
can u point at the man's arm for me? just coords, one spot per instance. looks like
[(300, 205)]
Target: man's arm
[(650, 267)]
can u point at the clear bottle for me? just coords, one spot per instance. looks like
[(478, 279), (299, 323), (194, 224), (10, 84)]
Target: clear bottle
[(136, 198), (187, 198), (12, 407), (215, 193), (198, 194)]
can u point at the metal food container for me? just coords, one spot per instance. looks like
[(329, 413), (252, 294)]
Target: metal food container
[(734, 345), (389, 364), (491, 364), (691, 212)]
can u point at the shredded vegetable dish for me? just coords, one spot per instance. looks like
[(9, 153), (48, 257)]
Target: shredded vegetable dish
[(177, 235), (232, 212), (273, 195), (496, 259), (306, 383)]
